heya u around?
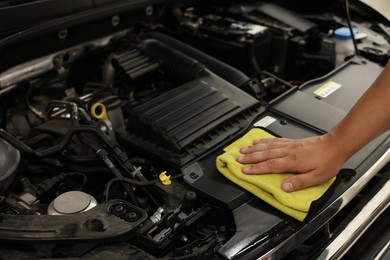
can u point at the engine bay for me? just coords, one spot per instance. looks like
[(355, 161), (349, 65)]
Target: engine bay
[(110, 127)]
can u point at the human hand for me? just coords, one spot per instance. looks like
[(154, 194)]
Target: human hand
[(315, 159)]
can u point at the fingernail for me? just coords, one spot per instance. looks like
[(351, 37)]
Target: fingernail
[(247, 168), (287, 186), (239, 158), (244, 149)]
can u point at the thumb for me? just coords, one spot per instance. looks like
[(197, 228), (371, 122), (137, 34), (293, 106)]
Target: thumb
[(301, 181)]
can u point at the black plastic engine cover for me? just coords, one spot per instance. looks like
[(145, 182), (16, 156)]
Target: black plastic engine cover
[(190, 119), (178, 117)]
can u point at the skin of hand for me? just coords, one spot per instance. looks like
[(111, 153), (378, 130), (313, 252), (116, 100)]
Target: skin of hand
[(318, 159)]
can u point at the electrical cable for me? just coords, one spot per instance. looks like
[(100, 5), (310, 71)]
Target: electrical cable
[(346, 4), (86, 169), (252, 56), (103, 155), (62, 145), (132, 182)]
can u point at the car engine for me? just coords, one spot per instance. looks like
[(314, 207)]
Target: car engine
[(110, 127)]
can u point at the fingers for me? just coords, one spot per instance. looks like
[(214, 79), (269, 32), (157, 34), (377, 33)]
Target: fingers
[(277, 165), (270, 155), (263, 146), (271, 140), (264, 149), (262, 155), (297, 182), (304, 180), (312, 159)]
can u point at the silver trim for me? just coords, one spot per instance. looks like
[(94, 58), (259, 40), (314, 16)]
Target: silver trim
[(359, 184), (356, 228), (382, 253)]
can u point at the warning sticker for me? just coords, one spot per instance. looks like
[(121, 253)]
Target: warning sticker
[(327, 89), (265, 121)]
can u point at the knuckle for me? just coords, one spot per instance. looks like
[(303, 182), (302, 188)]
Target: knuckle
[(271, 164), (298, 182), (268, 153), (294, 162), (268, 146)]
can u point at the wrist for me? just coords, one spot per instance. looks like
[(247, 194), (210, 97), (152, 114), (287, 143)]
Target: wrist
[(341, 147)]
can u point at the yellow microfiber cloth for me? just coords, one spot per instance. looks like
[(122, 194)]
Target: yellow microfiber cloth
[(268, 186)]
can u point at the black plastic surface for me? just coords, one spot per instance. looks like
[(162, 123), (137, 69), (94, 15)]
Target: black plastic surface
[(204, 177), (287, 17), (99, 224), (133, 63), (271, 226), (355, 77), (253, 223), (303, 105), (178, 117)]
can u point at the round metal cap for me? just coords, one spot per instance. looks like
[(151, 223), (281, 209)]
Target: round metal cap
[(71, 202), (9, 161)]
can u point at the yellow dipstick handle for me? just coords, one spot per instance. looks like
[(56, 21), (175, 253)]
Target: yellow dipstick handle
[(98, 111), (164, 178)]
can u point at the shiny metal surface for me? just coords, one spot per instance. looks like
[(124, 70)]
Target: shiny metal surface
[(71, 202), (323, 217), (383, 252), (9, 161), (36, 67), (356, 228)]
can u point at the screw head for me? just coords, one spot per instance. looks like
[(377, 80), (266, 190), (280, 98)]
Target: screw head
[(194, 175)]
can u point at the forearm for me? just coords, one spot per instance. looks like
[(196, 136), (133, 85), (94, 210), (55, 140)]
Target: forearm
[(369, 117)]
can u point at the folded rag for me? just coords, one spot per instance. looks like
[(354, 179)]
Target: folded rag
[(268, 186)]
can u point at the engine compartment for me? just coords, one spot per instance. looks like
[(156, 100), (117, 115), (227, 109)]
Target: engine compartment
[(110, 127)]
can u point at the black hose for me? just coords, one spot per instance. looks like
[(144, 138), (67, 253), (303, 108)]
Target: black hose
[(81, 159), (40, 138), (182, 67), (87, 169), (22, 147), (88, 141), (68, 136)]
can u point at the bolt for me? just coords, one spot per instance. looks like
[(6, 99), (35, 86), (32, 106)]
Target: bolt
[(118, 210), (131, 217), (223, 228), (115, 20), (194, 175), (149, 10), (62, 34)]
